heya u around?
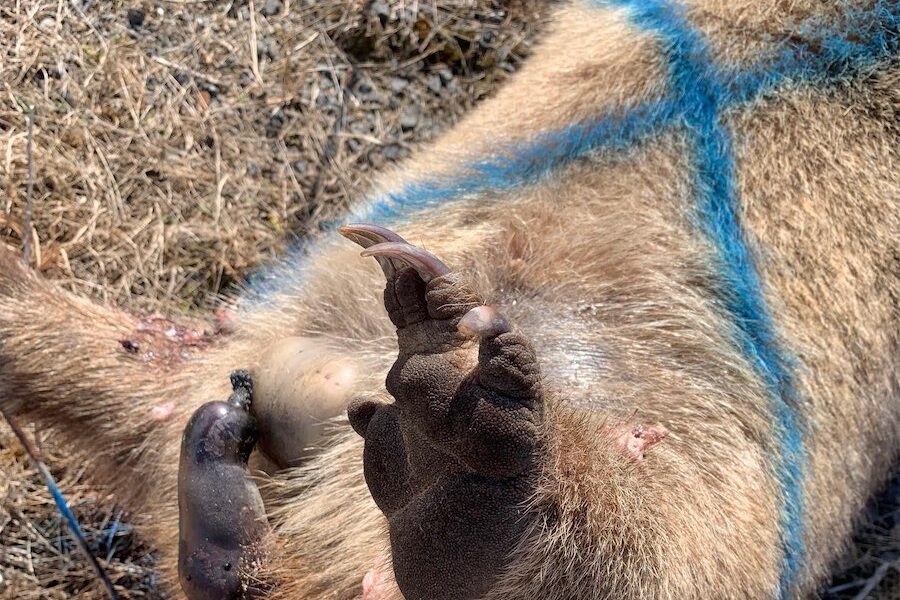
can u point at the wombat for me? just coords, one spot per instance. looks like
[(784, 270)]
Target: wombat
[(631, 331)]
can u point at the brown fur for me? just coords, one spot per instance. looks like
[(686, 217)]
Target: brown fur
[(602, 268)]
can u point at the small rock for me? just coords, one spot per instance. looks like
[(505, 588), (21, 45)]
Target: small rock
[(300, 167), (276, 122), (410, 118), (380, 9), (136, 17), (398, 84), (446, 75), (48, 23), (271, 7), (394, 152), (434, 83), (209, 87), (268, 48)]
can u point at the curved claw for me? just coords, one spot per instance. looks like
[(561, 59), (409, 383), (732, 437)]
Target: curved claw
[(368, 235), (426, 264)]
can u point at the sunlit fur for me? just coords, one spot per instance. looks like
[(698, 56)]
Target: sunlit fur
[(585, 221)]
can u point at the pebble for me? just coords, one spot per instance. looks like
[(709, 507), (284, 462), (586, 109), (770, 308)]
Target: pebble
[(398, 84), (434, 83), (394, 152), (271, 7), (136, 17), (410, 118), (380, 9)]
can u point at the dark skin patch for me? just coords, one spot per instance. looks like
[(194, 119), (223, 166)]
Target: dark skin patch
[(222, 524), (452, 461)]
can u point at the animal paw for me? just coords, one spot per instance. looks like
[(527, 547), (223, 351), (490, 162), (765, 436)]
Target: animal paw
[(452, 461), (222, 521)]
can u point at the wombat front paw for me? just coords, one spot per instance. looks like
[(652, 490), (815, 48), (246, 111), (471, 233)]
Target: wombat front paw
[(453, 460)]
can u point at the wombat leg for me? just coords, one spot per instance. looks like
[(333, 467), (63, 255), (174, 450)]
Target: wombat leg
[(452, 461), (222, 526)]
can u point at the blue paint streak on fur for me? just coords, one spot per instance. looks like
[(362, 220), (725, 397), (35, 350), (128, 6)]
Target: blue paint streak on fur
[(819, 52), (518, 165), (697, 84)]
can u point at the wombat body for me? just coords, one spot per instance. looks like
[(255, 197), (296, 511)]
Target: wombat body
[(690, 210)]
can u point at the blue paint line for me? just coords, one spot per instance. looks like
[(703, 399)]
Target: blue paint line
[(819, 52), (523, 164), (697, 85), (63, 506), (509, 167)]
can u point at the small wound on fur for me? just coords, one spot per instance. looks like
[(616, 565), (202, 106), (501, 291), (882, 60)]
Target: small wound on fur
[(161, 412), (377, 584), (634, 441)]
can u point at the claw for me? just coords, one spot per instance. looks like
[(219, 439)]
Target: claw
[(427, 265), (483, 321), (367, 235)]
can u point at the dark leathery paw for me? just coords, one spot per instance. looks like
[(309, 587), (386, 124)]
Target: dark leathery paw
[(222, 521), (452, 461)]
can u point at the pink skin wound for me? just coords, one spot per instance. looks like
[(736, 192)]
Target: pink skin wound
[(635, 440), (378, 584)]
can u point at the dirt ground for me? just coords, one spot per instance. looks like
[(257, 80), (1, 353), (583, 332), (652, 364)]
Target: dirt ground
[(179, 144)]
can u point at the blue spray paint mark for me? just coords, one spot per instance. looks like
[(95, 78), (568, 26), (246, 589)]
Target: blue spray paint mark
[(699, 89), (817, 52)]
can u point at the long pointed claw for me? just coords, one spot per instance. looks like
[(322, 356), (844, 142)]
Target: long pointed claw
[(427, 265), (368, 235)]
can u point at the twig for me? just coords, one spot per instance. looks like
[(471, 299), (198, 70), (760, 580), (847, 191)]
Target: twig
[(254, 46), (876, 578), (61, 504), (26, 237), (193, 72)]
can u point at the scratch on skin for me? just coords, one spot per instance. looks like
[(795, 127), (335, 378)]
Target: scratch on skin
[(162, 341), (635, 440)]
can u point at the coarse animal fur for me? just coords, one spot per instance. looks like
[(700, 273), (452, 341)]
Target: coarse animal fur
[(690, 209)]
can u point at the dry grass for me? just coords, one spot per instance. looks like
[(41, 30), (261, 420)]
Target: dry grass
[(173, 156)]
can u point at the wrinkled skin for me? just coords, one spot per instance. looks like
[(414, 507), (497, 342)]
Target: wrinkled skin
[(222, 518)]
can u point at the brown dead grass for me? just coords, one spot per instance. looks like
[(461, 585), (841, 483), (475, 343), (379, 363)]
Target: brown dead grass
[(173, 157)]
